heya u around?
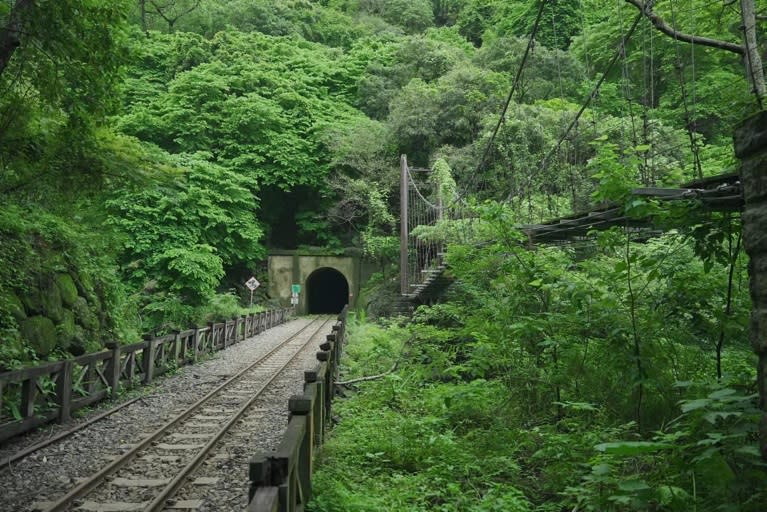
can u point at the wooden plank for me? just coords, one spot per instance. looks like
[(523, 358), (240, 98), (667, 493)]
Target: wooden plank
[(266, 499), (31, 373), (28, 395), (64, 392), (97, 396), (14, 428), (286, 455), (148, 355), (140, 482), (184, 505), (114, 506), (88, 359)]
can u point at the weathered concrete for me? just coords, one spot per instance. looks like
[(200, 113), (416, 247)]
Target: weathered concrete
[(295, 267), (751, 149)]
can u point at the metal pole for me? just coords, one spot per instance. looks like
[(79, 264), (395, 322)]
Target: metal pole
[(251, 298), (403, 230)]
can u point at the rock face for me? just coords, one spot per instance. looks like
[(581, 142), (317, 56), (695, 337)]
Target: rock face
[(60, 312), (40, 333), (751, 149), (67, 289)]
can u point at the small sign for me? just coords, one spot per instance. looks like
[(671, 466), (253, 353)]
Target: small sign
[(295, 288), (252, 283), (294, 300)]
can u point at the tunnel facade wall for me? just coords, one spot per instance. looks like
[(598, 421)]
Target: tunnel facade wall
[(294, 267)]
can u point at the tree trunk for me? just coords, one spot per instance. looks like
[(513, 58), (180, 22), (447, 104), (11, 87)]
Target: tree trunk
[(10, 36), (142, 9), (752, 57)]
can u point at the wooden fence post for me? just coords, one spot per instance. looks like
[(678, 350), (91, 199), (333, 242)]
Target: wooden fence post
[(113, 368), (179, 350), (212, 336), (148, 359), (64, 391), (259, 472), (195, 344), (313, 387), (301, 405)]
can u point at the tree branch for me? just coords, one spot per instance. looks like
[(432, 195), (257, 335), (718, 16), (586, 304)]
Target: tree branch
[(372, 377), (172, 21), (10, 35), (381, 375), (662, 26)]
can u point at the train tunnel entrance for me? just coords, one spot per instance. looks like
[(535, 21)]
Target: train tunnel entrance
[(327, 291)]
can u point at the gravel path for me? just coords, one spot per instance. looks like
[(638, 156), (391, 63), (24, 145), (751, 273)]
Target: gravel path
[(50, 472)]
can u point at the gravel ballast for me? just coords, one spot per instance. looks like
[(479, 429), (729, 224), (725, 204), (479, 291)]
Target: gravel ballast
[(53, 470)]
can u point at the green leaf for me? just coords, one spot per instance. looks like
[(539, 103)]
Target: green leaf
[(601, 469), (711, 417), (752, 450), (692, 405), (630, 448), (633, 485)]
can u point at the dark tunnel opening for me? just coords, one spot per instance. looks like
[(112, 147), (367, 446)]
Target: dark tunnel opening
[(327, 291)]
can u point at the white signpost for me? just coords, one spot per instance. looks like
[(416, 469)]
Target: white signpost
[(252, 284), (295, 289)]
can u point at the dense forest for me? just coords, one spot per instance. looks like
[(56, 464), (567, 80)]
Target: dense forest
[(154, 150)]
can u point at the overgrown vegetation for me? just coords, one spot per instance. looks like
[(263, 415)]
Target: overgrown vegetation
[(152, 152), (552, 379)]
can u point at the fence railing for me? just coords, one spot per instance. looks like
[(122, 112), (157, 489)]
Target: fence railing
[(280, 481), (31, 397)]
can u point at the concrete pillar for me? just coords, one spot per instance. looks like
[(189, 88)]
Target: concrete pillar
[(751, 149)]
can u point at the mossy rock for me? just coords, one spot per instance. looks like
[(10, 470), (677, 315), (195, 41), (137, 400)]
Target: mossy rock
[(67, 329), (79, 343), (84, 315), (15, 307), (32, 301), (44, 300), (53, 307), (85, 286), (85, 342), (40, 333), (67, 289)]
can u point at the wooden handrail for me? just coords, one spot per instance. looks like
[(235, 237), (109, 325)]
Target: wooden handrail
[(53, 391), (281, 480)]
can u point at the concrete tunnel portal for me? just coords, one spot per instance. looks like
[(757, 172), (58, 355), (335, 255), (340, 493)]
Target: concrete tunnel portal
[(327, 291)]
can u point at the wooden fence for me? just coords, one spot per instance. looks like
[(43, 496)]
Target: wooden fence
[(31, 397), (280, 481)]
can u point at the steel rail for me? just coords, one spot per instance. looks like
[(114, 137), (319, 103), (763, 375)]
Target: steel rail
[(159, 502), (6, 462), (92, 482)]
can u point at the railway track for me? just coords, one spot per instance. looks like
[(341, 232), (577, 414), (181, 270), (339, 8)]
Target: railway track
[(157, 465)]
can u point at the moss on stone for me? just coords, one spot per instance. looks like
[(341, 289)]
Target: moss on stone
[(15, 307), (67, 289), (40, 333), (67, 330), (79, 341), (84, 315), (32, 301), (53, 307)]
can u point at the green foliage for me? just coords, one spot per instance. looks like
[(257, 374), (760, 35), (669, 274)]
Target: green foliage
[(582, 379), (59, 287), (181, 237), (395, 449)]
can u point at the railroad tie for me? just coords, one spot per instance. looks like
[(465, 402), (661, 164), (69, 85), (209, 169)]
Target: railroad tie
[(115, 506)]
